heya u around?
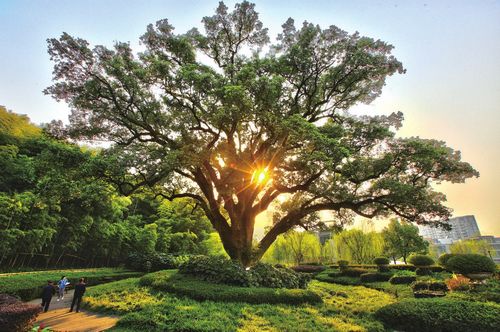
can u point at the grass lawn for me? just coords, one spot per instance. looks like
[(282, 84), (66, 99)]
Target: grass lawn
[(169, 301), (143, 308), (29, 285)]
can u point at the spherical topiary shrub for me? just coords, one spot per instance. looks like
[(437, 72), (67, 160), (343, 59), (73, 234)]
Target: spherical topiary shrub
[(443, 259), (470, 263), (381, 261), (421, 260)]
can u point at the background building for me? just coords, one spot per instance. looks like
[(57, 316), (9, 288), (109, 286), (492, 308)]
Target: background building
[(463, 228)]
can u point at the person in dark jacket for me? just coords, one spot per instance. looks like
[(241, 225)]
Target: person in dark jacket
[(78, 294), (47, 293)]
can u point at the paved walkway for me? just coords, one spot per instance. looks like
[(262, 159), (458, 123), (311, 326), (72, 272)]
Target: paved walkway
[(59, 319)]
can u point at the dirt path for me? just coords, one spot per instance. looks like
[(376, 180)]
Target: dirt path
[(59, 319)]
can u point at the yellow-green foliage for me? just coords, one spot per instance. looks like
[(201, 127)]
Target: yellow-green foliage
[(120, 297), (17, 125), (351, 299)]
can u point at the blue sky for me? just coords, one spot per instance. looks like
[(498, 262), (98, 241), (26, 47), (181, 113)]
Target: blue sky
[(451, 50)]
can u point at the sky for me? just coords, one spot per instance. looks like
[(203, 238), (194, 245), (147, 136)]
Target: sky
[(451, 50)]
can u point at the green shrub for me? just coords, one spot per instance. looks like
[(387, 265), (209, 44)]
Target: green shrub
[(421, 260), (16, 315), (470, 263), (221, 270), (343, 264), (443, 259), (354, 272), (430, 285), (216, 269), (202, 290), (398, 279), (381, 261), (375, 276), (440, 315), (265, 275)]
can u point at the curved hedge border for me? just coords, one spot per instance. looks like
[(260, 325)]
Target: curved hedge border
[(440, 315), (202, 290)]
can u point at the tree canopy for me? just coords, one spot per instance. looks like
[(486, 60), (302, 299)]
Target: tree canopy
[(402, 239), (56, 209), (229, 119)]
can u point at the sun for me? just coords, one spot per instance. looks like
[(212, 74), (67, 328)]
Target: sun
[(260, 176)]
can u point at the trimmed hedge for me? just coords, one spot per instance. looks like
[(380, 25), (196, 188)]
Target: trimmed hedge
[(423, 271), (375, 276), (336, 278), (470, 263), (399, 280), (440, 315), (381, 261), (16, 315), (354, 272), (202, 290), (403, 267), (431, 285), (443, 259), (309, 268), (28, 286), (421, 260)]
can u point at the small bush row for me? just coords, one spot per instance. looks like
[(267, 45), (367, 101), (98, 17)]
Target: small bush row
[(431, 285), (440, 315), (16, 316)]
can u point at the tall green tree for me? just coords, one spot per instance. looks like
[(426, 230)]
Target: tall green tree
[(238, 130), (358, 246), (472, 246), (295, 247), (402, 239)]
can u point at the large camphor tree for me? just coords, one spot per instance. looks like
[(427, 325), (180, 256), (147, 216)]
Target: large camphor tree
[(241, 125)]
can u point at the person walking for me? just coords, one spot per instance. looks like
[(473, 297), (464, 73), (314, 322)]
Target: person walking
[(78, 294), (47, 293), (62, 285)]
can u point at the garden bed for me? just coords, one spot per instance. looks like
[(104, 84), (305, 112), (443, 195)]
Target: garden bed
[(200, 290)]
